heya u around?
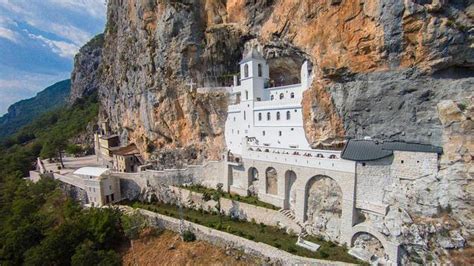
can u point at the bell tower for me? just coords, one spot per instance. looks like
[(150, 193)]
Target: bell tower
[(254, 74)]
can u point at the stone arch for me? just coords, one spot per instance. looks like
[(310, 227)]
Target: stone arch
[(253, 181), (323, 206), (271, 181), (368, 245), (290, 191)]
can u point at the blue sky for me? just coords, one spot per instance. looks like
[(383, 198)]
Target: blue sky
[(38, 41)]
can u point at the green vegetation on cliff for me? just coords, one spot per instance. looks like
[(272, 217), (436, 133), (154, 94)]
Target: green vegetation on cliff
[(23, 112), (45, 136), (39, 225)]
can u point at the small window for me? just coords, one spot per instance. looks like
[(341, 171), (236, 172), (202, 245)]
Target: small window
[(232, 131), (292, 95), (110, 187), (238, 131), (268, 116), (279, 133), (296, 110), (263, 133), (292, 129), (278, 115), (288, 115), (281, 96), (246, 95), (363, 164), (259, 70), (402, 161), (259, 99), (234, 118), (246, 70), (245, 115), (259, 116), (272, 97)]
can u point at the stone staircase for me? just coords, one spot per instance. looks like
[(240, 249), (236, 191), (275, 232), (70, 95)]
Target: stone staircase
[(290, 215)]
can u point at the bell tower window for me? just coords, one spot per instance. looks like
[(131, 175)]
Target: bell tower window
[(259, 70), (246, 70)]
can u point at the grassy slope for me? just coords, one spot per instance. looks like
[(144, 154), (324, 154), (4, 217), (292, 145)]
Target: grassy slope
[(257, 232), (23, 112)]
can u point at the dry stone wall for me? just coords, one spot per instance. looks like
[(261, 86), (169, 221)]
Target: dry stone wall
[(269, 254)]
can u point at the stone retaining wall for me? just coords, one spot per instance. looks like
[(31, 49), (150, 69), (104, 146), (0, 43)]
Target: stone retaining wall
[(270, 254), (132, 184), (243, 211)]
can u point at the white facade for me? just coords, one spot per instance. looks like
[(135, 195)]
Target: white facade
[(100, 186), (272, 116)]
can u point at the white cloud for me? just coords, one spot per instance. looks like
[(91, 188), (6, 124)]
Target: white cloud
[(96, 8), (9, 35), (63, 49)]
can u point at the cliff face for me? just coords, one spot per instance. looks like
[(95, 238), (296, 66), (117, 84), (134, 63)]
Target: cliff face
[(376, 63), (382, 68), (85, 76)]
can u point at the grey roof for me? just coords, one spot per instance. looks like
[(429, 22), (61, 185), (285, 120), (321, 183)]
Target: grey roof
[(369, 150), (253, 54)]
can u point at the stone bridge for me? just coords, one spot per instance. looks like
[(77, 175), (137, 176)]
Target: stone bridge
[(322, 198)]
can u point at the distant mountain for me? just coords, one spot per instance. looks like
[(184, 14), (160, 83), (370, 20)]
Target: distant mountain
[(23, 112)]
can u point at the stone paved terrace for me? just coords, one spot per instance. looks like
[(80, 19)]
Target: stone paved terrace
[(71, 164)]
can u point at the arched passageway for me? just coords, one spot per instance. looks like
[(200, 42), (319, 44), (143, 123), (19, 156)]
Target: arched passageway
[(290, 192), (323, 207), (253, 181), (271, 178), (367, 243)]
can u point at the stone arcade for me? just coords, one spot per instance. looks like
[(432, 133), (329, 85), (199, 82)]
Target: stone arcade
[(337, 194), (332, 193)]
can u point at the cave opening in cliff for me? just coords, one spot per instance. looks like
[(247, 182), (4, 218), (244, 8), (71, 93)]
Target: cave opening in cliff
[(285, 70)]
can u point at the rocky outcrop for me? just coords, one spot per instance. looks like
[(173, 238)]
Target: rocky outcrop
[(85, 76), (400, 70)]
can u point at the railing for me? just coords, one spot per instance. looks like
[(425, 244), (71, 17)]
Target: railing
[(285, 87), (295, 102), (214, 89), (309, 158)]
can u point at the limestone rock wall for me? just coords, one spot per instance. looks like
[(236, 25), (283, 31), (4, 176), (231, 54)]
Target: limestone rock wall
[(85, 77), (388, 69)]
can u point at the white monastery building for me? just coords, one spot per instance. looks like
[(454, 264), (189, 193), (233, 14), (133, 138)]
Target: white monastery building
[(272, 115), (337, 194)]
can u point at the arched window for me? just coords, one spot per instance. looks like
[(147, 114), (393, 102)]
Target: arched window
[(246, 71), (288, 115), (246, 95), (272, 97), (259, 116), (263, 133), (292, 95), (279, 133), (278, 115), (259, 70), (281, 96), (268, 116)]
